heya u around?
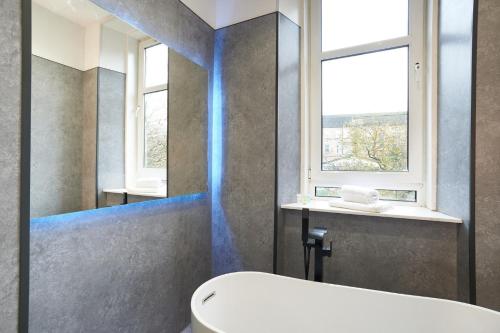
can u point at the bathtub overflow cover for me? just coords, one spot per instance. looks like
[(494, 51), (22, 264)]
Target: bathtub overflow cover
[(209, 297)]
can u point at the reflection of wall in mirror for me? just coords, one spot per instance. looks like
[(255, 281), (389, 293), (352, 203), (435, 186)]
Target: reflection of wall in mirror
[(92, 147), (187, 127), (78, 77)]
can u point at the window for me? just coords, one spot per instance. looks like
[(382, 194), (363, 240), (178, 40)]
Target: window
[(153, 110), (385, 195), (367, 118)]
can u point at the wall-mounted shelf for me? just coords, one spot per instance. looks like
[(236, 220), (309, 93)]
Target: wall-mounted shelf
[(138, 192), (397, 212)]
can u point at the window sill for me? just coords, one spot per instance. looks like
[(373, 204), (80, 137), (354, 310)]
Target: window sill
[(137, 192), (397, 212)]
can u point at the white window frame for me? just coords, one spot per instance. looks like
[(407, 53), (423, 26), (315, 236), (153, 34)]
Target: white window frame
[(414, 178), (142, 172)]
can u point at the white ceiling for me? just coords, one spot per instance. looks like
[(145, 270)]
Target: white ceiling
[(85, 13), (81, 12), (217, 13), (222, 13), (123, 27), (235, 11)]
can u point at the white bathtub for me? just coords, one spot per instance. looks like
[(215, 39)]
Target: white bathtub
[(252, 302)]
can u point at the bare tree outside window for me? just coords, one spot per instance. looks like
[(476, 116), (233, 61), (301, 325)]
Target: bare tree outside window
[(372, 143), (155, 128), (155, 106), (365, 112)]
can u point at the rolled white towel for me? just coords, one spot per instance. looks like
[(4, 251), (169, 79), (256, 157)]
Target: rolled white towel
[(377, 207), (359, 194)]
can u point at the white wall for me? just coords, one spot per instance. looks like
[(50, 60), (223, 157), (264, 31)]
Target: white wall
[(131, 107), (57, 39), (113, 50), (92, 46), (293, 9)]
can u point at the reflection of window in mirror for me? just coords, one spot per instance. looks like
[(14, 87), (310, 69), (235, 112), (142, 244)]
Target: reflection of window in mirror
[(101, 91), (152, 113)]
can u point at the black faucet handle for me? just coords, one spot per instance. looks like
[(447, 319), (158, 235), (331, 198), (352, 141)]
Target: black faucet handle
[(327, 250)]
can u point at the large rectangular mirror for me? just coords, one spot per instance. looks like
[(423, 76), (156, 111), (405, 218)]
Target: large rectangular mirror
[(117, 116)]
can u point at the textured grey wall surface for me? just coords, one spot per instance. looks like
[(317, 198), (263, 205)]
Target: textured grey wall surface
[(119, 270), (187, 127), (487, 156), (10, 111), (145, 289), (288, 182), (89, 139), (243, 231), (454, 124), (410, 257), (56, 136), (111, 132)]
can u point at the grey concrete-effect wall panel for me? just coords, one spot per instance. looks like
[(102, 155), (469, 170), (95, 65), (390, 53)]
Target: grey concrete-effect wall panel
[(119, 270), (243, 233), (402, 256), (192, 41), (111, 132), (170, 22), (454, 124), (288, 128), (10, 111), (187, 127), (487, 155), (56, 134), (190, 222), (89, 139)]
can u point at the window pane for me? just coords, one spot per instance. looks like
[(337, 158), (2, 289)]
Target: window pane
[(365, 112), (328, 192), (353, 22), (385, 195), (156, 59), (155, 130)]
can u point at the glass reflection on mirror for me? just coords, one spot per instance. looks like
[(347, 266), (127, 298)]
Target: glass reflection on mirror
[(100, 111)]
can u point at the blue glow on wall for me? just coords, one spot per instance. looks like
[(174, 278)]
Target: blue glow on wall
[(130, 210), (225, 255)]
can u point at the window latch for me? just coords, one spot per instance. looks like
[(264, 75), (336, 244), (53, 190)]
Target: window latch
[(418, 73)]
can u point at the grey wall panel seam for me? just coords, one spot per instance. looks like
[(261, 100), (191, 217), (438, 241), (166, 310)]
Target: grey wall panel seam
[(472, 227), (24, 237), (98, 76), (276, 138), (194, 13)]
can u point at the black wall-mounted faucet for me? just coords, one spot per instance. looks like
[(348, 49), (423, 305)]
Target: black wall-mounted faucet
[(314, 238)]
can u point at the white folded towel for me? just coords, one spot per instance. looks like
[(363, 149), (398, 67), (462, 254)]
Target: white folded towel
[(359, 194), (377, 207)]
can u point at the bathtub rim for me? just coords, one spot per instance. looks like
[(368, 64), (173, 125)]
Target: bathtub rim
[(196, 314)]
